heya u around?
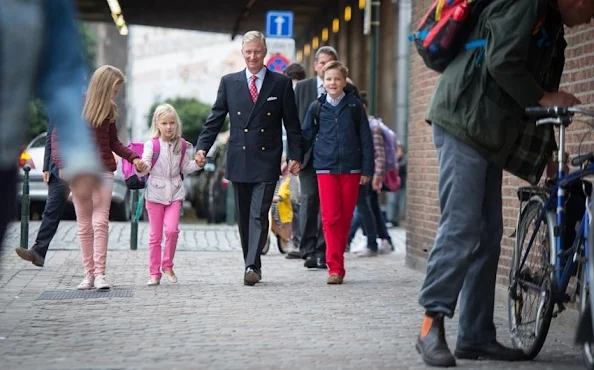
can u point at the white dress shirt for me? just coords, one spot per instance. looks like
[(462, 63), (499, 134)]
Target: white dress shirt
[(334, 102), (320, 85), (259, 80)]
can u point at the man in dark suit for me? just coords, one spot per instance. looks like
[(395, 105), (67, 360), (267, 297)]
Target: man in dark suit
[(57, 196), (313, 245), (258, 102)]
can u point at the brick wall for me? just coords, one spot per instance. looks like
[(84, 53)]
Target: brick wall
[(422, 206)]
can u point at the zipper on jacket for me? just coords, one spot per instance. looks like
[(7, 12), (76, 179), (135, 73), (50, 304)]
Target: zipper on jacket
[(338, 143)]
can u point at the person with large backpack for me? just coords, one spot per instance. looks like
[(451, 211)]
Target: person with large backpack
[(166, 158), (479, 129)]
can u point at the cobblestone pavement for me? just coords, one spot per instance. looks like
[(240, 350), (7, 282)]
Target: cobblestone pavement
[(209, 320)]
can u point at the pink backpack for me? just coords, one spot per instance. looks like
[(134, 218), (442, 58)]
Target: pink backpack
[(133, 181)]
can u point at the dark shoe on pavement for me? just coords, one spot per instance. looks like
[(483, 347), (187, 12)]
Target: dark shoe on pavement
[(432, 344), (491, 351), (293, 255), (31, 256), (251, 276)]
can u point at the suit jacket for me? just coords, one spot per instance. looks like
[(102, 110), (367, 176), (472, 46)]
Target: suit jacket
[(306, 92), (255, 144)]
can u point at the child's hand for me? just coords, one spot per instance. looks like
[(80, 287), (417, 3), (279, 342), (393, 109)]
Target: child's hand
[(364, 180), (276, 199), (140, 165)]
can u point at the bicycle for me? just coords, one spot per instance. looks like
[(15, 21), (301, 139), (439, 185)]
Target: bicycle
[(550, 267)]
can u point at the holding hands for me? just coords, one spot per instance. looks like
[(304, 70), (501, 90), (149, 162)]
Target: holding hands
[(140, 165), (294, 167), (200, 158)]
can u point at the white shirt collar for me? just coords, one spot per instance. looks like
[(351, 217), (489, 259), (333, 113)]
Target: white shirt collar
[(320, 82), (260, 74), (335, 102)]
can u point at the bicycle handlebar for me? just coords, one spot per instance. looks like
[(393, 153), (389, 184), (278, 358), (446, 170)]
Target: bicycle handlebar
[(556, 111)]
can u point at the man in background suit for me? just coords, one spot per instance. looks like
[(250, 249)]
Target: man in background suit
[(57, 196), (258, 102), (313, 245)]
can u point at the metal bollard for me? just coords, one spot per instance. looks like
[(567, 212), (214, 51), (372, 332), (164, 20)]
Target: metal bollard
[(134, 222), (25, 204)]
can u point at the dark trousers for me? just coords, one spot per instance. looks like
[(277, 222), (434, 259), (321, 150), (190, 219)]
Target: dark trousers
[(8, 182), (367, 217), (57, 197), (252, 204), (312, 235)]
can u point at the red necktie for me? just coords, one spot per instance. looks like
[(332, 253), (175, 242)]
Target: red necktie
[(253, 88)]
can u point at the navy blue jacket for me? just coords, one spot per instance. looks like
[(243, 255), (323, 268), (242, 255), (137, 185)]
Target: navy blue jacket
[(338, 147)]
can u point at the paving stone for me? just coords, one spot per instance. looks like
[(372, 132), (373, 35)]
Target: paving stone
[(210, 320)]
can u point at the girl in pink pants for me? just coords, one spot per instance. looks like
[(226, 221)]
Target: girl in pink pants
[(165, 192), (92, 214)]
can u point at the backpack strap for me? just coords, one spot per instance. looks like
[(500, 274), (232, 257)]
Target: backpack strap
[(184, 145), (156, 151)]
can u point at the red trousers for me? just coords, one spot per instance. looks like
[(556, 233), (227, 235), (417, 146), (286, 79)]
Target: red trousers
[(338, 198)]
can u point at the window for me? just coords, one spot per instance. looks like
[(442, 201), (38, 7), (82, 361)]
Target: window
[(38, 142)]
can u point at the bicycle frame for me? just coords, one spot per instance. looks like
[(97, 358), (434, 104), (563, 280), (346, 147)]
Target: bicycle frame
[(562, 275)]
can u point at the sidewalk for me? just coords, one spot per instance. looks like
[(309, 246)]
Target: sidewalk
[(210, 320)]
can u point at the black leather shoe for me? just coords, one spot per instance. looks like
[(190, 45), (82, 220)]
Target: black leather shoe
[(492, 351), (321, 263), (251, 276), (433, 346), (311, 262)]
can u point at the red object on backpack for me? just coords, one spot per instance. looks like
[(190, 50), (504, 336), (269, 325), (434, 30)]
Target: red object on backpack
[(443, 32)]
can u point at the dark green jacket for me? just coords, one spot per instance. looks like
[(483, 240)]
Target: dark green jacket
[(481, 96)]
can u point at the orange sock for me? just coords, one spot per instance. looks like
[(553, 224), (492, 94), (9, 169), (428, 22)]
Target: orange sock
[(426, 326)]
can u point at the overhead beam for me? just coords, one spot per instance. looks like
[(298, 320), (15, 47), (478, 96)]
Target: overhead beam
[(244, 14)]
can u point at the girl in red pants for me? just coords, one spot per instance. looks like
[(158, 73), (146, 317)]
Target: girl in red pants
[(337, 127)]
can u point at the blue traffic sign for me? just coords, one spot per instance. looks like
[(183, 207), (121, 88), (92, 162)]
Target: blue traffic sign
[(279, 23)]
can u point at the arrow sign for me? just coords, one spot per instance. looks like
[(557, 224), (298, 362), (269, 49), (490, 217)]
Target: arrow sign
[(279, 23)]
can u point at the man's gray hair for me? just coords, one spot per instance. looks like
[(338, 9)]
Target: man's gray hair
[(251, 36), (328, 50)]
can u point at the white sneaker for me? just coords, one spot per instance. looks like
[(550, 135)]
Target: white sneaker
[(170, 276), (153, 281), (384, 247), (101, 283), (87, 282)]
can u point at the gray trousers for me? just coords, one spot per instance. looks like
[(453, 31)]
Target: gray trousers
[(464, 258)]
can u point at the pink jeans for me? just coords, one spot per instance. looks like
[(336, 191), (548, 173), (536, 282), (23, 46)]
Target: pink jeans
[(92, 217), (162, 218)]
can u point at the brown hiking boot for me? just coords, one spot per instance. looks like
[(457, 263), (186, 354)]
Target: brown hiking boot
[(334, 279)]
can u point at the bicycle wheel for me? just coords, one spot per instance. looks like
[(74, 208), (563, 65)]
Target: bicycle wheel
[(587, 351), (530, 304)]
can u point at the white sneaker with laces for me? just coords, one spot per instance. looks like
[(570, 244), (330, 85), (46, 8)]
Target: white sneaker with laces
[(87, 283), (384, 247), (101, 283)]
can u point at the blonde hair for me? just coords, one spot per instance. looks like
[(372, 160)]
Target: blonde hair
[(99, 104), (163, 110), (251, 36), (338, 66)]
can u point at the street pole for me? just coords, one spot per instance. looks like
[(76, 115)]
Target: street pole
[(375, 30), (25, 203), (134, 222)]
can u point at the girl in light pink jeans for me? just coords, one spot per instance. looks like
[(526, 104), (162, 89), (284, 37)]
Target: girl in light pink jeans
[(92, 215), (165, 192)]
